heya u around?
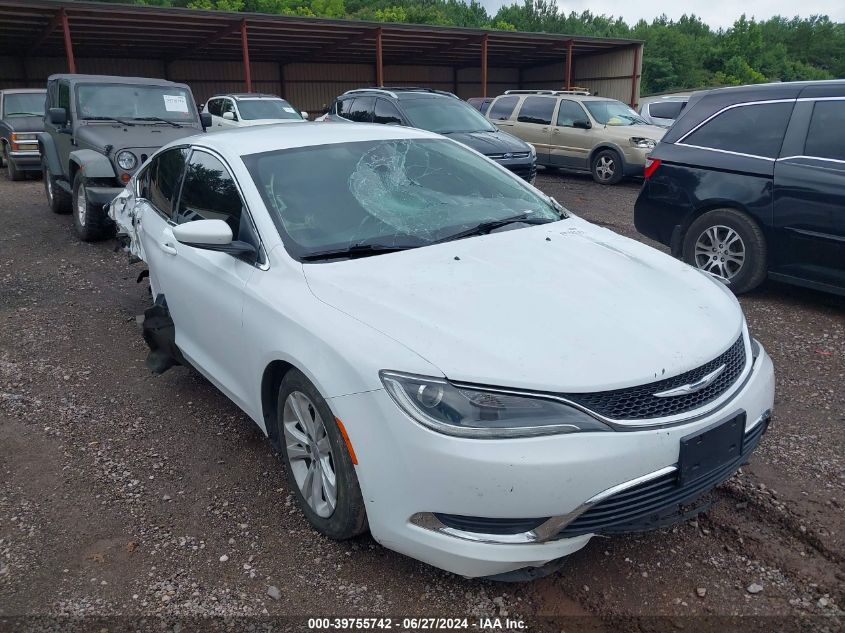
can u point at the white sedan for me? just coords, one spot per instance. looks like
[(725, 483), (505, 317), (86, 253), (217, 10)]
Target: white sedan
[(442, 354)]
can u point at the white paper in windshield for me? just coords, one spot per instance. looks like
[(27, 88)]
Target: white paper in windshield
[(175, 103), (288, 109)]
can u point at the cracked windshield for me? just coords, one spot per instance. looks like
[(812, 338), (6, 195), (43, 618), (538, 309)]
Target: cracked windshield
[(389, 195)]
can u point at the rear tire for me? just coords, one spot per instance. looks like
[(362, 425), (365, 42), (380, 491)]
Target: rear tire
[(305, 426), (91, 221), (12, 172), (728, 244), (57, 198), (607, 167)]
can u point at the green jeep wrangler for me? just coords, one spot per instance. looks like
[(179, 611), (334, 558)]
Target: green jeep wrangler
[(98, 130)]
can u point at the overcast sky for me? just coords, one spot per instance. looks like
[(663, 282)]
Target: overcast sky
[(716, 13)]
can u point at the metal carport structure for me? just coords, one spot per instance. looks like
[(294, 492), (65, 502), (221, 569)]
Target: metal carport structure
[(284, 53)]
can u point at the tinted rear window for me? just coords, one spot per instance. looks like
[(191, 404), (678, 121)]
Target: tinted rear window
[(750, 129), (666, 109), (826, 136), (537, 110), (503, 108)]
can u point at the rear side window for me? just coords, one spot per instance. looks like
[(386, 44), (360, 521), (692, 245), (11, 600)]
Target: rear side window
[(826, 136), (666, 109), (165, 175), (502, 109), (750, 129), (386, 112), (362, 110), (537, 110)]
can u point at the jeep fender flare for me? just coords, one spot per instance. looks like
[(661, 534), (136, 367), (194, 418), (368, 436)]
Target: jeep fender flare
[(93, 164), (50, 154)]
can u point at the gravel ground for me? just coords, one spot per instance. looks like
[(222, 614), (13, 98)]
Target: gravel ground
[(126, 495)]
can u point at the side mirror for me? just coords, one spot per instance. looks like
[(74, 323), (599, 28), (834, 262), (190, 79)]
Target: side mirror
[(57, 116), (304, 115), (229, 116), (582, 124), (205, 120), (213, 235)]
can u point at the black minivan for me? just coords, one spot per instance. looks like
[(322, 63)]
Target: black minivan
[(750, 182)]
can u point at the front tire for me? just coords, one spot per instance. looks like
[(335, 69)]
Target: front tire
[(91, 221), (607, 167), (729, 245), (317, 463), (57, 198), (12, 172)]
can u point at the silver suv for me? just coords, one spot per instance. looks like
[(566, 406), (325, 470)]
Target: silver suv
[(574, 130)]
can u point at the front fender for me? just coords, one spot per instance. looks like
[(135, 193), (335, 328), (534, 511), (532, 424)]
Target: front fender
[(93, 164), (49, 153)]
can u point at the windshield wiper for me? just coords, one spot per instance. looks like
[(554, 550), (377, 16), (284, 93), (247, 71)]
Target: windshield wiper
[(24, 114), (156, 119), (108, 118), (356, 250), (485, 227)]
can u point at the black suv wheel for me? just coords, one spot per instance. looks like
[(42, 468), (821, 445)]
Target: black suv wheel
[(728, 244)]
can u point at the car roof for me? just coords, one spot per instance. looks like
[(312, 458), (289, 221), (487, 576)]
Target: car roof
[(23, 90), (258, 139), (401, 93), (115, 79), (246, 95)]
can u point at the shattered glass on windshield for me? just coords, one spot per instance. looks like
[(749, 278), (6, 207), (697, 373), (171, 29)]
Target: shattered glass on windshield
[(390, 192)]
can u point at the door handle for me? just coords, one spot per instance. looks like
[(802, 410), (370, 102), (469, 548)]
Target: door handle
[(168, 248), (545, 129), (556, 131)]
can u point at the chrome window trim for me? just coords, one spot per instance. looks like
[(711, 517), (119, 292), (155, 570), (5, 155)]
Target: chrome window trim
[(725, 109), (726, 151), (829, 160), (547, 530), (806, 99)]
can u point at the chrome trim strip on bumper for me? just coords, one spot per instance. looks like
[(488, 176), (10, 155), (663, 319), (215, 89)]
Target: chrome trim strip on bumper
[(553, 525)]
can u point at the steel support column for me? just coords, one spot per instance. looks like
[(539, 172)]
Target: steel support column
[(245, 53), (484, 65), (569, 65), (379, 59), (71, 62), (635, 75)]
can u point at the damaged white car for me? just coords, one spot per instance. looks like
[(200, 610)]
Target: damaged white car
[(442, 354)]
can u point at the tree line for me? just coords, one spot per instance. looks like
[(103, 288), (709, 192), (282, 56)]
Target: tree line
[(678, 54)]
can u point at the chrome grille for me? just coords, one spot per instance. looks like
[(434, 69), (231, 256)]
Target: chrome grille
[(640, 403)]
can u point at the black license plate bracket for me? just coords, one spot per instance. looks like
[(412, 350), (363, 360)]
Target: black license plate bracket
[(705, 451)]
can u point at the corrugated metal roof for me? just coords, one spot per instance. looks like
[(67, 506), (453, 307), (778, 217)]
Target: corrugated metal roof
[(33, 28)]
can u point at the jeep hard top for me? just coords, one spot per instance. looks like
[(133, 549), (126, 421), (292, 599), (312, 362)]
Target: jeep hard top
[(98, 130)]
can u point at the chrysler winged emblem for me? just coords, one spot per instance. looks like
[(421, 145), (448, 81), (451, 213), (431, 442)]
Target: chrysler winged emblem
[(693, 387)]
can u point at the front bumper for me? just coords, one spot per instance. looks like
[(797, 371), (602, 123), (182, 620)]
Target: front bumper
[(102, 195), (634, 159), (408, 473), (26, 160)]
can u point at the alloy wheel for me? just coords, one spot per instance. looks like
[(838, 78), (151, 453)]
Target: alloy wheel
[(720, 251), (605, 167), (309, 452), (81, 204)]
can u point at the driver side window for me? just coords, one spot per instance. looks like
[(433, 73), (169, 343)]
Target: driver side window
[(210, 193)]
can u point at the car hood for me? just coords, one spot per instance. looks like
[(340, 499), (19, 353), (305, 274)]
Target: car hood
[(627, 131), (252, 122), (141, 136), (25, 123), (565, 307), (497, 142)]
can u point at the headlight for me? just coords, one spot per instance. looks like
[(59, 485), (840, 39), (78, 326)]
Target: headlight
[(467, 412), (126, 160), (533, 151), (18, 137), (642, 143)]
